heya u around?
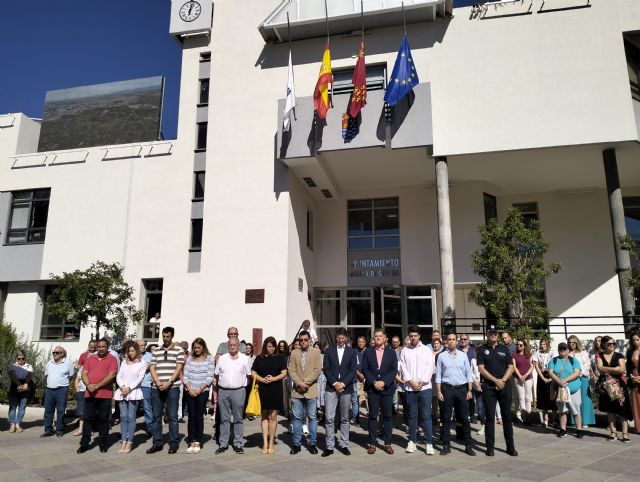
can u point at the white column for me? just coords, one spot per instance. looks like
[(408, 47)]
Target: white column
[(444, 237)]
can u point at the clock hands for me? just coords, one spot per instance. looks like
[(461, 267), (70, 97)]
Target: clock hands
[(190, 8)]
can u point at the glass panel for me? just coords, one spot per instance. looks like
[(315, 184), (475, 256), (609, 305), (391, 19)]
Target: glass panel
[(199, 185), (360, 204), (392, 313), (204, 91), (327, 294), (359, 311), (42, 194), (389, 202), (359, 294), (48, 332), (196, 233), (328, 312), (71, 333), (490, 207), (202, 136), (419, 312), (40, 214), (22, 195), (36, 235), (17, 237), (360, 243), (151, 331), (388, 242), (386, 221), (20, 216), (360, 223)]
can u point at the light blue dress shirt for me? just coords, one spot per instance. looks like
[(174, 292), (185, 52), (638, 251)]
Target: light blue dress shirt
[(454, 370)]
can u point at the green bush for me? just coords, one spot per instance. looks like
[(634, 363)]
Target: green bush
[(10, 343)]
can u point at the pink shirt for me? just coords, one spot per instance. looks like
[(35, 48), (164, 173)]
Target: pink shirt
[(416, 364), (130, 376), (379, 353)]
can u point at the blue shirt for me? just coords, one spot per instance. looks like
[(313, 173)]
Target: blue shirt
[(562, 370), (58, 374), (454, 370), (146, 381)]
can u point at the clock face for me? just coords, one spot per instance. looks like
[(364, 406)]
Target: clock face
[(190, 11)]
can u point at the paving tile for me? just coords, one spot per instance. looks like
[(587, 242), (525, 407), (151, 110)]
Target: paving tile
[(58, 472)]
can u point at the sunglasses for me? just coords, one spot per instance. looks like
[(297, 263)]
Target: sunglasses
[(611, 344), (57, 352), (20, 358), (232, 334), (165, 355)]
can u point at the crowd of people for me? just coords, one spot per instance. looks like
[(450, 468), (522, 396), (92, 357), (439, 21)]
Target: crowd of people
[(448, 382)]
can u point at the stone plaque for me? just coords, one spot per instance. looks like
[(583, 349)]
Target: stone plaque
[(254, 296), (373, 267)]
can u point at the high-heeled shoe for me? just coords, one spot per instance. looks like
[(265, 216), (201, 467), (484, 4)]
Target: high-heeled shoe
[(19, 428), (625, 437), (612, 436)]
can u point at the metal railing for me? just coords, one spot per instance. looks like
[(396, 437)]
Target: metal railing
[(617, 326)]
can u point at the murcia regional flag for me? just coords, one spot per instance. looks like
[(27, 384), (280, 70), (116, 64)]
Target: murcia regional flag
[(290, 102), (321, 92)]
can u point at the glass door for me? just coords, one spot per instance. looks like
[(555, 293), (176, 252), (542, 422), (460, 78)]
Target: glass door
[(392, 318)]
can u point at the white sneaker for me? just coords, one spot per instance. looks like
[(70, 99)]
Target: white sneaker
[(196, 449), (305, 429), (190, 449), (411, 447), (430, 450), (481, 431)]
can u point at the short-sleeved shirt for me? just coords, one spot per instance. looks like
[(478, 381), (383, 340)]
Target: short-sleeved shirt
[(58, 374), (97, 369), (166, 361), (495, 360), (562, 370), (523, 363), (233, 372)]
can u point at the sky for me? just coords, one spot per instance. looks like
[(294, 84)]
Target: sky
[(58, 44)]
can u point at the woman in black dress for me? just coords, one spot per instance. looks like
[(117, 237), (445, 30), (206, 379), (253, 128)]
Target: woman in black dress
[(269, 369), (613, 363)]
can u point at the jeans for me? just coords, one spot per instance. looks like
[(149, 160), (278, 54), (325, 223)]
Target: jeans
[(128, 413), (455, 397), (196, 406), (419, 407), (503, 397), (96, 416), (298, 406), (80, 405), (17, 406), (342, 402), (159, 400), (480, 405), (55, 399), (355, 407), (231, 402), (379, 401), (148, 408)]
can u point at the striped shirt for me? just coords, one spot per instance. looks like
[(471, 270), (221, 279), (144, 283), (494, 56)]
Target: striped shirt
[(166, 360), (199, 372)]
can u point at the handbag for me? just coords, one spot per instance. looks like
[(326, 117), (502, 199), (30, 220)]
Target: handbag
[(562, 394), (253, 405), (612, 388)]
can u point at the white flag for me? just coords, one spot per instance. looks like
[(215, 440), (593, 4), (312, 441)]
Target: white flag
[(290, 102)]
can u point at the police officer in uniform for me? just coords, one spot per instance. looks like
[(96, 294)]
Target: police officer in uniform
[(496, 367)]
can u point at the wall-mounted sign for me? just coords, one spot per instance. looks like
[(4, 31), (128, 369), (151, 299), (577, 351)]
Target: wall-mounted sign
[(254, 296), (373, 267)]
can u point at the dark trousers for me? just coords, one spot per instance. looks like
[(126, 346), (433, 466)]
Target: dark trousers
[(455, 397), (379, 401), (196, 407), (405, 407), (490, 395), (96, 417), (55, 399)]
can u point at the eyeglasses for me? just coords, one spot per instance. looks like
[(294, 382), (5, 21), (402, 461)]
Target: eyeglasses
[(57, 352), (611, 343), (232, 334), (464, 339), (20, 358)]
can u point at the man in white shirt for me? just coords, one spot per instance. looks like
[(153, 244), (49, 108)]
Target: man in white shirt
[(416, 368), (232, 370)]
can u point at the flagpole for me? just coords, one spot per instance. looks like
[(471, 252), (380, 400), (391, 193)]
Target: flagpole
[(290, 55), (326, 19), (362, 18), (404, 23)]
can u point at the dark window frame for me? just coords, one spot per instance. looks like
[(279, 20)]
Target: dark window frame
[(30, 231), (490, 207), (344, 85), (201, 136), (310, 229), (203, 93), (196, 183), (195, 244), (372, 209), (65, 325)]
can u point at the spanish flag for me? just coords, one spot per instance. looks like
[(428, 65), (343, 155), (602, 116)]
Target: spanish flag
[(321, 92)]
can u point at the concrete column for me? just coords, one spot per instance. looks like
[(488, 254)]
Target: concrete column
[(444, 237), (616, 209)]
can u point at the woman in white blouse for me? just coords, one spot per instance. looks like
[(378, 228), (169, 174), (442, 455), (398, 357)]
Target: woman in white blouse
[(586, 409), (129, 393), (541, 359)]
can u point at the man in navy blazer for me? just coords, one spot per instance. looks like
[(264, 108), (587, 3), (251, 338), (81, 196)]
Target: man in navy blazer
[(380, 367), (340, 364)]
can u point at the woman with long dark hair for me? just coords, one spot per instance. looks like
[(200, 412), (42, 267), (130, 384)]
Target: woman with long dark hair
[(523, 378), (269, 369), (198, 376), (633, 372)]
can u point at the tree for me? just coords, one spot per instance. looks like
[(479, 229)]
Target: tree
[(97, 295), (511, 264)]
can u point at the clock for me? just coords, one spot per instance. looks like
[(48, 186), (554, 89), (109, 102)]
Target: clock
[(190, 11)]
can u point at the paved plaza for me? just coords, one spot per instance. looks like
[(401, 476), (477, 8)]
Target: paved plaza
[(543, 456)]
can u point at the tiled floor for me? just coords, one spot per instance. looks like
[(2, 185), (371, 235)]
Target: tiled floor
[(543, 456)]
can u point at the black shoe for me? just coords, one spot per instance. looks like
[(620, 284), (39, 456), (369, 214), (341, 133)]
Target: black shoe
[(82, 449), (446, 450), (345, 451), (238, 450), (562, 433), (59, 434), (295, 449), (327, 452), (103, 450), (489, 453), (221, 450), (173, 449), (579, 434), (46, 434), (469, 451), (512, 452), (181, 420), (313, 450), (154, 448)]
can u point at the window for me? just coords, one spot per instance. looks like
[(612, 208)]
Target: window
[(632, 51), (490, 207), (376, 75), (196, 234), (201, 142), (204, 92), (153, 305), (328, 307), (28, 218), (529, 211), (56, 327), (373, 223), (198, 187), (310, 230), (205, 56)]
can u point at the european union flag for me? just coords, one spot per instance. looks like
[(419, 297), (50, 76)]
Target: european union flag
[(404, 76)]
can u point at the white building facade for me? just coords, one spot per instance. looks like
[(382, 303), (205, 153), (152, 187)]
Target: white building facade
[(233, 223)]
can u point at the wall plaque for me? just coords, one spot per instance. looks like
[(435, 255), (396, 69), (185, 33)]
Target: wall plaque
[(373, 267), (254, 296)]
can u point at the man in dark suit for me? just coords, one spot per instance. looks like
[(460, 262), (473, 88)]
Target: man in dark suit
[(380, 366), (340, 365)]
